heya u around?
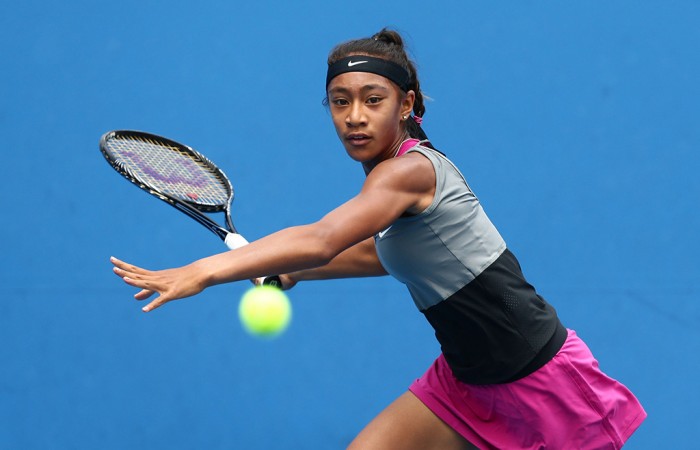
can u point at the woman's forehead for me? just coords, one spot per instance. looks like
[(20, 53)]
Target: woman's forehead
[(359, 80)]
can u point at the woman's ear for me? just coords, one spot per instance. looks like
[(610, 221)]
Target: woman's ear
[(407, 103)]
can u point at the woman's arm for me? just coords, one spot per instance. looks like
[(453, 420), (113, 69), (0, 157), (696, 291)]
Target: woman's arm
[(360, 260), (392, 188)]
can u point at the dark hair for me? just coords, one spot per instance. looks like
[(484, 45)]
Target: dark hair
[(387, 44)]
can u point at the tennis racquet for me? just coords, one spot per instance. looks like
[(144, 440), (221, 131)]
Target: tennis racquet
[(178, 175)]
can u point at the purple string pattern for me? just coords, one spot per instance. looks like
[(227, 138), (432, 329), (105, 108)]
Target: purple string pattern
[(170, 171)]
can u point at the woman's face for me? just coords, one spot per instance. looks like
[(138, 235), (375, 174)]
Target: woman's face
[(367, 111)]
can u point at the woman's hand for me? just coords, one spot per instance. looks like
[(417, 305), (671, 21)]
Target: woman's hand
[(287, 282), (170, 284)]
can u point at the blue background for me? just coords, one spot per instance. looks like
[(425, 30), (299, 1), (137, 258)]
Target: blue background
[(576, 124)]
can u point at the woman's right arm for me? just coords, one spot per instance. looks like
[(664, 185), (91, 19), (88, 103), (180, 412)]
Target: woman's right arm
[(391, 189)]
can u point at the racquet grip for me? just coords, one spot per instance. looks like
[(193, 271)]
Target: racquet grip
[(234, 241)]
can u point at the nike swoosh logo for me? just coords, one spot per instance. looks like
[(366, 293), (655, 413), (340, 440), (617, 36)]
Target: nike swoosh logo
[(354, 63), (382, 233)]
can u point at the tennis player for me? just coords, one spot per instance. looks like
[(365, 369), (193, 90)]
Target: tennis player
[(510, 375)]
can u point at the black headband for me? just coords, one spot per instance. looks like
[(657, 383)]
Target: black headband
[(371, 64)]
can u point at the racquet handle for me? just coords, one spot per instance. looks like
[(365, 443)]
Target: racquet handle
[(234, 241)]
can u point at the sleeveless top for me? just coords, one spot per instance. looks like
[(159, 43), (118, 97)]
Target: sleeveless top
[(491, 324)]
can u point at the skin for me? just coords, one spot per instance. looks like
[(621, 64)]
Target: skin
[(368, 113)]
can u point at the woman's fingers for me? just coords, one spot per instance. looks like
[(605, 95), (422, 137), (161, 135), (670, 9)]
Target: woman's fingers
[(135, 276), (129, 268), (154, 304), (144, 294), (169, 284), (287, 282)]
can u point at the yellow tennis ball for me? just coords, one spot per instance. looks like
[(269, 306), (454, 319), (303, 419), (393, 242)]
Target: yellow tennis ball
[(265, 311)]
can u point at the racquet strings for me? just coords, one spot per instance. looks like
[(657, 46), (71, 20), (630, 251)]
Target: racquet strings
[(169, 169)]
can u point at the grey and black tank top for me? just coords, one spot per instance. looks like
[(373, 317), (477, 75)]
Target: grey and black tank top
[(491, 324)]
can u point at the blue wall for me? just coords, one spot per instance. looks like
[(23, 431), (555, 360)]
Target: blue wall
[(577, 125)]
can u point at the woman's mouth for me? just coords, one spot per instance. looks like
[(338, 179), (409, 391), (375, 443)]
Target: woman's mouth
[(357, 139)]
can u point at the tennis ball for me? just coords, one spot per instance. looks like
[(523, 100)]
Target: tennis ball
[(265, 311)]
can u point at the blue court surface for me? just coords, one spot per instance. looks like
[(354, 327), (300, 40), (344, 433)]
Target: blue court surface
[(576, 123)]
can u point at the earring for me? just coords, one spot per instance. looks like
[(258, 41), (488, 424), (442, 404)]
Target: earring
[(403, 117)]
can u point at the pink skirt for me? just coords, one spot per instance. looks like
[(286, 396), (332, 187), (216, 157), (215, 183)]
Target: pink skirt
[(566, 404)]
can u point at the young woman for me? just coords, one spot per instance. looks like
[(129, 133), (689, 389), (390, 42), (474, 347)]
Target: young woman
[(510, 375)]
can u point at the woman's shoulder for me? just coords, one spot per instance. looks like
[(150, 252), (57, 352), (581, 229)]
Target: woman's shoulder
[(410, 166), (411, 173)]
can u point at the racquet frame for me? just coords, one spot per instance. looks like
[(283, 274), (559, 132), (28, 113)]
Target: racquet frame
[(192, 209)]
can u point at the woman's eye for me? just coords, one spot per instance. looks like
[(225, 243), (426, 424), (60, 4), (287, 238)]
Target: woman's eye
[(373, 100), (339, 102)]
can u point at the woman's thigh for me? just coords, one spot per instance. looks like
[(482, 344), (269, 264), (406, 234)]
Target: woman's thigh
[(408, 424)]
